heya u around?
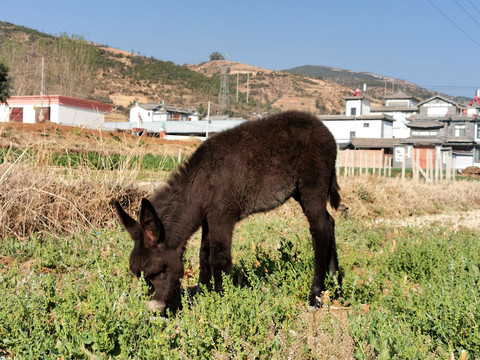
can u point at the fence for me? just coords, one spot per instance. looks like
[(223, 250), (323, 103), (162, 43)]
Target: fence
[(376, 162)]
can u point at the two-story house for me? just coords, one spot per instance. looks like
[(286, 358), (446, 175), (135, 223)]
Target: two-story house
[(358, 122)]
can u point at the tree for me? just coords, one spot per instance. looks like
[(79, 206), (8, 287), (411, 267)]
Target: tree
[(70, 66), (5, 85), (216, 56)]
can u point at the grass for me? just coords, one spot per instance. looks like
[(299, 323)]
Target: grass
[(407, 293)]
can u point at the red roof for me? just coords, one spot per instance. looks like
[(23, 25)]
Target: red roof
[(60, 100)]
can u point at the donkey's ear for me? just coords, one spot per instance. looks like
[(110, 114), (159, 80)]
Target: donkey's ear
[(132, 226), (153, 230)]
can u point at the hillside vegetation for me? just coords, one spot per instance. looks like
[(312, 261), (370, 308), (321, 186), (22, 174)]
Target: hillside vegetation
[(377, 85), (76, 67)]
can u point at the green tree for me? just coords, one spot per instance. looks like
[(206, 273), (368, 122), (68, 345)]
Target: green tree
[(5, 85), (216, 56)]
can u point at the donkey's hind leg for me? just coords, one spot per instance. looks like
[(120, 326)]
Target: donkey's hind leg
[(313, 203), (333, 267)]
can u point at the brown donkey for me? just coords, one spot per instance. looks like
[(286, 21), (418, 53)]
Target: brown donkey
[(254, 167)]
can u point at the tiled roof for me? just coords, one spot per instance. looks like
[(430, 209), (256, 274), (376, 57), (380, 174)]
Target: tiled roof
[(441, 98), (423, 140), (358, 117), (375, 143), (150, 106), (400, 95), (424, 124), (393, 109)]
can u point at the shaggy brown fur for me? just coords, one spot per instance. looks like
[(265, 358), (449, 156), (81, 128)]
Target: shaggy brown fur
[(254, 167)]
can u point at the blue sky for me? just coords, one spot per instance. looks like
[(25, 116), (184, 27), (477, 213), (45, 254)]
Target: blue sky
[(432, 43)]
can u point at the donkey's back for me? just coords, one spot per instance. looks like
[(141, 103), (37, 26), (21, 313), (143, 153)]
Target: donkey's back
[(258, 165)]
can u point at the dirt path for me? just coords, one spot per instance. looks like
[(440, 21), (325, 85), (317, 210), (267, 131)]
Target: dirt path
[(454, 220)]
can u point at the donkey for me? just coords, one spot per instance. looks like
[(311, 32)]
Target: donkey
[(254, 167)]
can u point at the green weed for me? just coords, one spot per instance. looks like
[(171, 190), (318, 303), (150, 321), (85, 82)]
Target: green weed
[(409, 293)]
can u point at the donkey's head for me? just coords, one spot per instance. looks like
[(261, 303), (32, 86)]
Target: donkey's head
[(161, 266)]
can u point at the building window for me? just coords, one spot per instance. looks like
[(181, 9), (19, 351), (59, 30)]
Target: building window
[(353, 111), (424, 133), (366, 125), (478, 131), (460, 130), (352, 134)]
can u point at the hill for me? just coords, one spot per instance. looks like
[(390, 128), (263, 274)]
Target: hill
[(377, 85), (76, 67)]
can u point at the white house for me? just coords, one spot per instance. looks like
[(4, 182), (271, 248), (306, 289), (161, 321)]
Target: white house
[(56, 109), (147, 113)]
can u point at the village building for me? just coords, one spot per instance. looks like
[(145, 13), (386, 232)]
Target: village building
[(171, 122), (401, 107), (369, 134), (443, 130), (57, 109), (358, 122), (145, 113)]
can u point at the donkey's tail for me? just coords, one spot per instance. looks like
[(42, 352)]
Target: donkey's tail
[(333, 190)]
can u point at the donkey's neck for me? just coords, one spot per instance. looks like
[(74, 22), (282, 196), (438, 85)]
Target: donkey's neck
[(180, 216)]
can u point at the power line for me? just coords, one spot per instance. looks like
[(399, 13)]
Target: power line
[(473, 5), (454, 23), (449, 86), (466, 12)]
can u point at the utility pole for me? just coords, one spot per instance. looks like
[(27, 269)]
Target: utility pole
[(237, 88), (223, 96), (208, 120), (42, 91), (248, 78)]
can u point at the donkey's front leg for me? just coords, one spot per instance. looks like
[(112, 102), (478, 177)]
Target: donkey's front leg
[(220, 235), (205, 267)]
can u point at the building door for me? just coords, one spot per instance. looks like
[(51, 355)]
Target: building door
[(462, 161), (16, 115), (421, 154), (45, 111)]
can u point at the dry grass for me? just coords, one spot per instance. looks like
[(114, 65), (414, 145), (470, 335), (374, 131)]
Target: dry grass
[(54, 137), (374, 197), (44, 201), (37, 198)]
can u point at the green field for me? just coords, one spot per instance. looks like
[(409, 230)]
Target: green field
[(408, 293)]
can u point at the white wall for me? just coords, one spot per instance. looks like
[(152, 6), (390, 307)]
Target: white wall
[(67, 115), (362, 106), (341, 129), (146, 115), (400, 129), (28, 113), (353, 104), (387, 130), (4, 112)]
